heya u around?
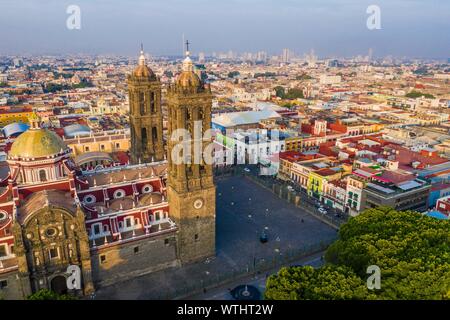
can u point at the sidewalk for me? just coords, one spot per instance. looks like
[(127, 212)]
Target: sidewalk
[(259, 281)]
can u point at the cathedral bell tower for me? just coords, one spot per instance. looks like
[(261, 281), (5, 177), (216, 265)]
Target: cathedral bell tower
[(144, 90), (191, 190)]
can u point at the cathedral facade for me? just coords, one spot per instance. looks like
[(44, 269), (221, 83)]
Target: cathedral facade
[(114, 223)]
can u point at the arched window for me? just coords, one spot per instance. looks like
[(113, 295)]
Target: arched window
[(144, 138), (42, 175), (152, 102), (154, 134), (142, 103)]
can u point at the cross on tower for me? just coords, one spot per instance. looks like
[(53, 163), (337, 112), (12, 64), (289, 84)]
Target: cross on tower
[(187, 45)]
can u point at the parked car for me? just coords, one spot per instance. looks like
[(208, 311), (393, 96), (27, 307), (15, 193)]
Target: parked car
[(322, 210), (263, 238), (247, 170)]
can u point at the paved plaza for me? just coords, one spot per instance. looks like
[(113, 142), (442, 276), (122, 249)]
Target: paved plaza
[(244, 211)]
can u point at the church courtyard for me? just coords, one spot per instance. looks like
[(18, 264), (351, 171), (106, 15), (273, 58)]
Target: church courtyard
[(245, 211)]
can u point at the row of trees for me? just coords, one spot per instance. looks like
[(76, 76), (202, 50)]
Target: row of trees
[(416, 94), (411, 250), (55, 87)]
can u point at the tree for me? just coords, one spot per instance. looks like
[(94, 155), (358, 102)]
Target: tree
[(411, 250), (279, 91), (45, 294), (306, 283), (303, 76), (291, 94), (294, 93), (233, 74), (416, 94)]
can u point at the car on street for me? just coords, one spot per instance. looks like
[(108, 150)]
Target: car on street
[(322, 210), (263, 238), (247, 170)]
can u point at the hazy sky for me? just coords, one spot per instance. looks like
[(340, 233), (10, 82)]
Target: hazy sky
[(413, 28)]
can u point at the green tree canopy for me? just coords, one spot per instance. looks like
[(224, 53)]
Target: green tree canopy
[(45, 294), (306, 283), (303, 76), (291, 94), (417, 94), (233, 74), (411, 250)]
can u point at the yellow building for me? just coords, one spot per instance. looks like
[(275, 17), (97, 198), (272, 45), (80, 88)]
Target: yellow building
[(106, 141), (8, 117), (318, 179)]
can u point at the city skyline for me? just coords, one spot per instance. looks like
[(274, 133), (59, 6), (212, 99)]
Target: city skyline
[(413, 29)]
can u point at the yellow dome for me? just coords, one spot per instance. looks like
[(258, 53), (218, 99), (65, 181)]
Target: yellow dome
[(143, 71), (37, 143), (188, 79)]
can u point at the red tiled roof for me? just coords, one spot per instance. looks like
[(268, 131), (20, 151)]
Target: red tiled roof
[(394, 177), (406, 157), (326, 172)]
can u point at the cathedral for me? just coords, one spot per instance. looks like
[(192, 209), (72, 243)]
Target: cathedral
[(116, 222)]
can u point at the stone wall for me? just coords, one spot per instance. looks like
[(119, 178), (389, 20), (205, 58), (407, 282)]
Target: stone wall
[(13, 290), (133, 259)]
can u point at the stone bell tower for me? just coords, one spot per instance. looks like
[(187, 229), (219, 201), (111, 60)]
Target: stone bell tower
[(191, 190), (144, 90)]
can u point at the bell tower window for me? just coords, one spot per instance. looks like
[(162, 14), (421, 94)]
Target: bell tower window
[(154, 134), (152, 102), (142, 103), (144, 138)]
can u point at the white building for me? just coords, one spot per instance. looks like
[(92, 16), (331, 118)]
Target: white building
[(253, 147), (326, 79)]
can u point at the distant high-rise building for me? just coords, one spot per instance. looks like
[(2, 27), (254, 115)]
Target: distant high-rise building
[(261, 56), (311, 59), (286, 56), (332, 63), (17, 62), (201, 57)]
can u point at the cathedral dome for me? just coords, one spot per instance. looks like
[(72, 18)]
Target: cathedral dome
[(188, 78), (37, 142), (142, 70)]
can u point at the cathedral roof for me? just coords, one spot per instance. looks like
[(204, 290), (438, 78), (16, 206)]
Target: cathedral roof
[(44, 199), (128, 174)]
